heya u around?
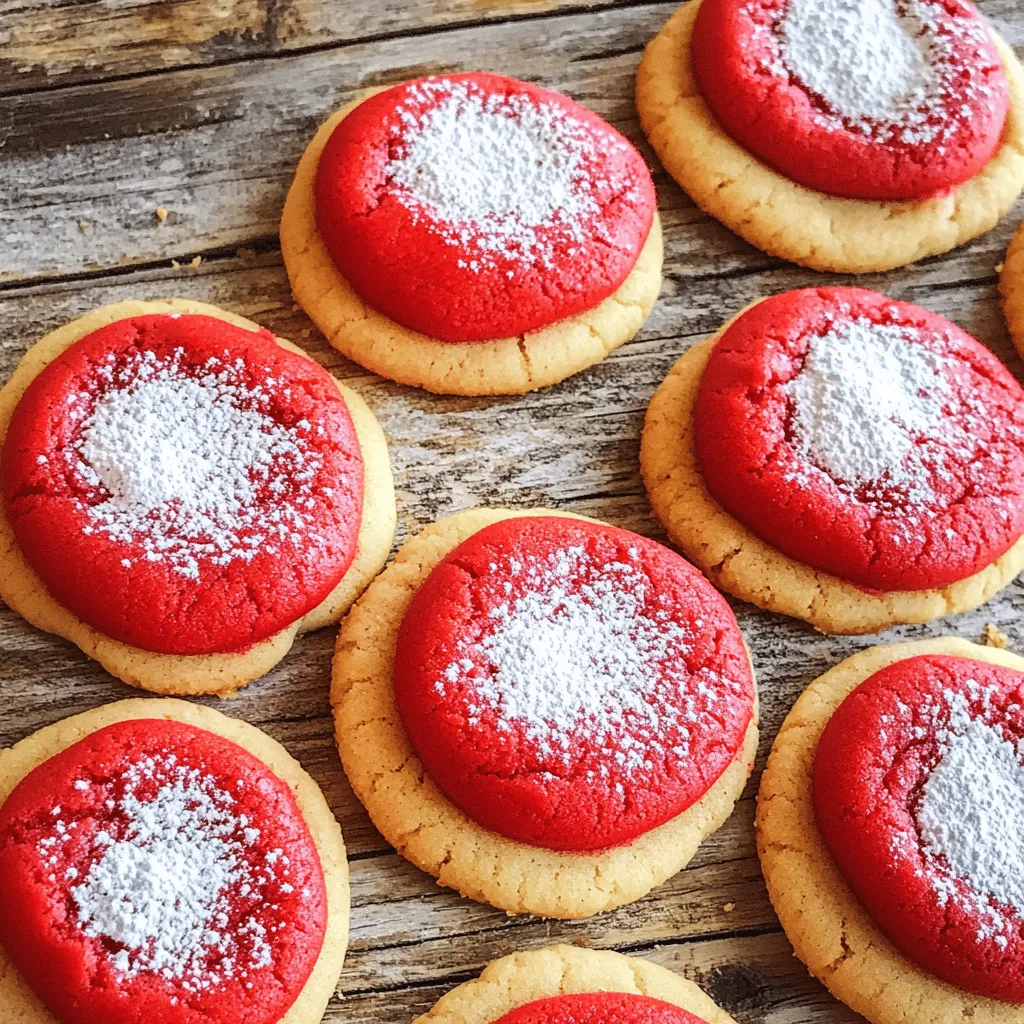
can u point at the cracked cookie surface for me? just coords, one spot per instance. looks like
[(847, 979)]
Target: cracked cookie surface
[(741, 563), (520, 979), (797, 223), (869, 100), (218, 673), (512, 365), (830, 929), (919, 793), (424, 826), (570, 685), (865, 437)]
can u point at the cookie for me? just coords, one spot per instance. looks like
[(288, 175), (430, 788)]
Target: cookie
[(1011, 289), (377, 257), (546, 854), (118, 753), (789, 219), (868, 100), (122, 581), (917, 789), (832, 931), (567, 983), (774, 509)]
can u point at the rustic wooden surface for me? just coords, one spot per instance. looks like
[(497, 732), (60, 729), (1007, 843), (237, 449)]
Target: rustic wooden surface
[(111, 109)]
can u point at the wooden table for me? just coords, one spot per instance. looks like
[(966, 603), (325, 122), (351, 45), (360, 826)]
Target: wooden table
[(145, 149)]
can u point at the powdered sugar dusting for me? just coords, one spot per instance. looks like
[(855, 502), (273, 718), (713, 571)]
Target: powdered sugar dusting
[(578, 659), (971, 818), (505, 177), (969, 813), (190, 466), (867, 405), (889, 70), (175, 885)]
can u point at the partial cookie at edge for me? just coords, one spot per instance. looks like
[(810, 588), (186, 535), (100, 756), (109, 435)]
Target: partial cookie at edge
[(736, 560), (426, 828), (831, 932), (20, 1005), (499, 367), (796, 223), (217, 674), (523, 978), (1011, 289)]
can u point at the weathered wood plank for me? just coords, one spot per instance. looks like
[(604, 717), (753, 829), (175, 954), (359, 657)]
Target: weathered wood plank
[(217, 147), (754, 977), (86, 169), (47, 44)]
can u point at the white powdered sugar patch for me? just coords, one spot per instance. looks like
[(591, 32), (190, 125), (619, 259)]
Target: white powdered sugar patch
[(969, 814), (189, 467), (868, 408), (169, 874), (504, 177), (883, 68), (577, 659)]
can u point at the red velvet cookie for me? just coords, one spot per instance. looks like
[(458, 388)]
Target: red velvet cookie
[(474, 206), (183, 485), (599, 1008), (919, 792), (864, 437), (571, 685), (867, 99), (155, 872)]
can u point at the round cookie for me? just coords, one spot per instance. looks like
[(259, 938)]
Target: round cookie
[(516, 981), (1011, 289), (216, 673), (797, 223), (510, 365), (411, 811), (831, 931), (19, 1003), (868, 100), (919, 793), (474, 206), (741, 563)]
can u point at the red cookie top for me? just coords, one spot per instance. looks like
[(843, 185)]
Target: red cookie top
[(474, 206), (867, 438), (571, 685), (919, 791), (868, 99), (158, 872), (599, 1008), (183, 485)]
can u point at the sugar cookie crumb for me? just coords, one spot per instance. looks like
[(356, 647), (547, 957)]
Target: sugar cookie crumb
[(994, 637)]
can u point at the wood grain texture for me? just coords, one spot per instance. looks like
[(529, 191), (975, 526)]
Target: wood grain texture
[(215, 144), (47, 44)]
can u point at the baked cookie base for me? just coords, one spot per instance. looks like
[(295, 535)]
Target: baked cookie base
[(796, 223), (522, 978), (830, 930), (426, 828), (219, 674), (1011, 289), (737, 561), (20, 1005), (504, 366)]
